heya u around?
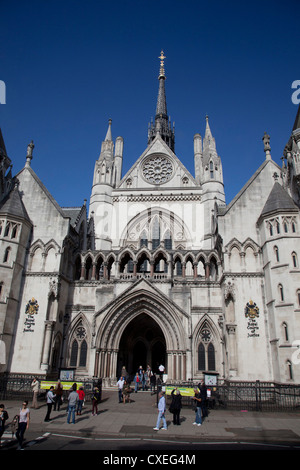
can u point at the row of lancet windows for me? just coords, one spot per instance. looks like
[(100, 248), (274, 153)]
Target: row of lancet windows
[(9, 229), (294, 257), (281, 294), (275, 227)]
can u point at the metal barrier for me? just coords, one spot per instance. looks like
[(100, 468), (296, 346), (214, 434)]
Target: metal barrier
[(18, 387), (250, 396)]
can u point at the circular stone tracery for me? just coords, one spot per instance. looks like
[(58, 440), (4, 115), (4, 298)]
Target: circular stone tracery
[(157, 169)]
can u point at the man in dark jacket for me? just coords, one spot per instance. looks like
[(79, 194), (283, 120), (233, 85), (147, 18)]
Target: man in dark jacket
[(3, 418), (203, 393), (176, 406)]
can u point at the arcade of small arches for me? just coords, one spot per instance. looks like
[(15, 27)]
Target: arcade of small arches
[(160, 264)]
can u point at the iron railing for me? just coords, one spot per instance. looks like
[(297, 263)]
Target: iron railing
[(250, 396), (18, 387)]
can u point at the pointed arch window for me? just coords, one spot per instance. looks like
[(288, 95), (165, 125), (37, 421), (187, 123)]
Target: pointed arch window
[(290, 370), (79, 348), (294, 259), (270, 229), (74, 354), (168, 240), (206, 350), (201, 357), (211, 169), (178, 267), (99, 268), (6, 255), (14, 231), (285, 331), (83, 354), (281, 292), (206, 357), (144, 239), (277, 227), (7, 229), (276, 251), (155, 233), (88, 269), (211, 357)]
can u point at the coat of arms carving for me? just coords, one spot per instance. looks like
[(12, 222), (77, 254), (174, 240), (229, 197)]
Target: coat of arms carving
[(32, 307), (251, 310)]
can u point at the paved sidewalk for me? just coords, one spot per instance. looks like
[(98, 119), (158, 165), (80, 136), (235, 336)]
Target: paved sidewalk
[(137, 419)]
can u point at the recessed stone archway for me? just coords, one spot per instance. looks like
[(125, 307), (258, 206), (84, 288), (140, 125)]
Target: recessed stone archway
[(142, 344), (155, 309)]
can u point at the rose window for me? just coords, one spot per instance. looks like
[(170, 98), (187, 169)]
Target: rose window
[(205, 335), (157, 169), (80, 332)]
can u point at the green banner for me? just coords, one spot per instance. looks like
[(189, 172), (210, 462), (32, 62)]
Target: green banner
[(46, 384), (184, 391)]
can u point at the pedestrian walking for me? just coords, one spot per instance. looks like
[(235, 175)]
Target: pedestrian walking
[(197, 407), (3, 418), (152, 381), (144, 380), (203, 392), (24, 418), (35, 385), (120, 384), (81, 396), (73, 400), (161, 408), (50, 401), (136, 382), (58, 392), (176, 406), (95, 401)]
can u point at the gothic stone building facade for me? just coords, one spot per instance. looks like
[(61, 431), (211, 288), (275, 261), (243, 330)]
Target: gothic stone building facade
[(157, 269)]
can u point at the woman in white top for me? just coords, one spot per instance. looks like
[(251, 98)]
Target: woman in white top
[(24, 418)]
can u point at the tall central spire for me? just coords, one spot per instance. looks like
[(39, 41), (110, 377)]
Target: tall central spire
[(162, 125)]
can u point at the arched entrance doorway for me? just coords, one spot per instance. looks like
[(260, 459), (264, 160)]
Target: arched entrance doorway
[(142, 343)]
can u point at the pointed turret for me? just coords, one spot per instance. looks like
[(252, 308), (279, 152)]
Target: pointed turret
[(107, 174), (5, 164), (107, 147), (291, 169), (162, 125), (212, 166), (2, 145)]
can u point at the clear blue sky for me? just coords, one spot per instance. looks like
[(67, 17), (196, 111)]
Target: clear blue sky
[(69, 66)]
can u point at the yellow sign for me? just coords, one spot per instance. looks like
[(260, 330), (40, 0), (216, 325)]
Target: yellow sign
[(46, 384), (184, 391)]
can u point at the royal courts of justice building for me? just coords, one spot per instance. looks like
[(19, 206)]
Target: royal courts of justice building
[(158, 268)]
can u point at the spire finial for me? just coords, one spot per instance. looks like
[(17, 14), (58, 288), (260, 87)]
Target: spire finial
[(108, 134), (267, 148), (162, 65), (30, 148)]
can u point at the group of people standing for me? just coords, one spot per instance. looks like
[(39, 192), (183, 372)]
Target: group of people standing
[(54, 399), (200, 406), (144, 379)]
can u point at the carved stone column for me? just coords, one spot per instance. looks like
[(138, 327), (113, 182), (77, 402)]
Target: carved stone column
[(47, 344), (232, 352)]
